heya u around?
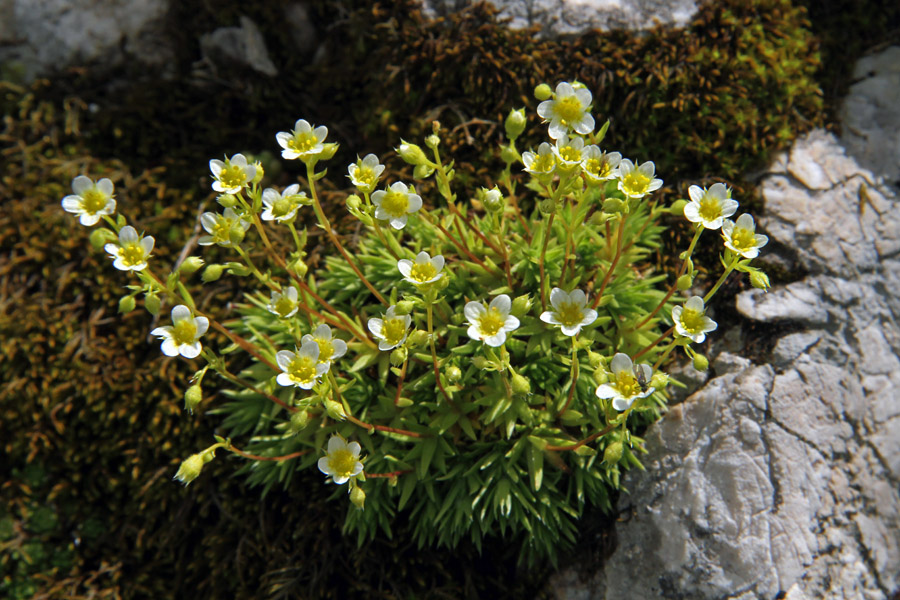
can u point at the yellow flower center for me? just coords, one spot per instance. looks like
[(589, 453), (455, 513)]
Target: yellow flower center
[(692, 320), (743, 239), (93, 201), (221, 230), (326, 349), (491, 322), (365, 176), (570, 154), (422, 272), (569, 109), (570, 314), (627, 385), (710, 209), (233, 176), (393, 330), (635, 183), (303, 142), (395, 203), (597, 168), (302, 369), (132, 254), (282, 207), (284, 306), (342, 463), (184, 332), (543, 163)]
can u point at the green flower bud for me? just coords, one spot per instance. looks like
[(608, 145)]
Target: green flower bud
[(508, 154), (299, 267), (399, 356), (613, 453), (417, 338), (227, 200), (298, 422), (520, 385), (404, 307), (547, 207), (328, 151), (412, 154), (600, 376), (521, 305), (192, 397), (759, 280), (598, 218), (493, 200), (423, 171), (102, 236), (358, 497), (515, 123), (190, 468), (701, 363), (480, 362), (260, 172), (126, 304), (543, 92), (236, 234), (453, 373), (677, 207), (353, 202), (335, 410), (613, 205), (212, 273), (659, 381), (585, 451), (594, 359), (191, 265), (432, 141), (685, 282), (152, 303)]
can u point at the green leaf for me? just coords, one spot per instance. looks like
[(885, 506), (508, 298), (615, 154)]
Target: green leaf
[(428, 448), (535, 467), (409, 484)]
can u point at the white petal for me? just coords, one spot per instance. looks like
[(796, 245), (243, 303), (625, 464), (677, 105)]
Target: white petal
[(325, 466), (169, 347), (147, 244), (81, 184), (72, 204), (696, 194), (105, 186), (216, 166), (239, 160), (570, 331), (415, 203), (558, 296), (354, 449), (162, 332), (202, 324), (190, 350), (693, 303), (606, 391), (473, 332), (590, 315), (620, 362), (339, 348), (438, 263), (510, 323), (285, 380), (547, 317), (309, 348), (745, 221), (283, 137), (578, 297), (496, 340), (88, 220), (376, 326), (336, 443), (473, 310), (397, 222), (357, 468), (621, 404), (405, 267), (180, 313), (502, 303), (692, 212)]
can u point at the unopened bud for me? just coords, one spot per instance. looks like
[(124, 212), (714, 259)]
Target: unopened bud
[(236, 234), (404, 307), (685, 282), (493, 200), (152, 303), (677, 207), (508, 154), (335, 410), (613, 205), (521, 305), (515, 123), (227, 200), (453, 373), (299, 267), (358, 497), (423, 171), (432, 141), (613, 453), (328, 151), (192, 397), (399, 356), (600, 376), (759, 280), (353, 202), (100, 237), (520, 385), (659, 381), (701, 363), (543, 92), (126, 304), (212, 273), (417, 338), (479, 362), (594, 359), (190, 468), (260, 172), (547, 207), (412, 154), (298, 421), (191, 265)]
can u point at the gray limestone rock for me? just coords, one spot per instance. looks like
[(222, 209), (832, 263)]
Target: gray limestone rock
[(244, 46)]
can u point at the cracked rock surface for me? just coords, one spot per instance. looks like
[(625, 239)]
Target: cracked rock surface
[(782, 480)]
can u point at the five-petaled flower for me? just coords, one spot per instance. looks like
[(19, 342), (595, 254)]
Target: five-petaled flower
[(220, 227), (636, 181), (285, 303), (341, 460), (330, 348), (282, 206), (424, 270), (569, 151), (569, 110), (691, 320), (90, 200), (542, 164), (132, 251), (741, 236), (627, 384), (709, 206), (303, 142), (301, 368), (598, 165), (391, 330), (490, 325), (570, 311), (232, 175), (395, 203), (183, 336), (364, 173)]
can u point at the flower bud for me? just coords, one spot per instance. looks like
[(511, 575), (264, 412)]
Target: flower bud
[(353, 202), (236, 234), (192, 397), (543, 92), (685, 282), (328, 151), (600, 376), (335, 410), (547, 207), (453, 373), (508, 154), (126, 304), (100, 237), (659, 381), (260, 173), (598, 218), (585, 451), (412, 154), (399, 356), (212, 273), (423, 171), (613, 453), (594, 359), (152, 303), (417, 338), (520, 385), (358, 497), (759, 280), (515, 123), (299, 267), (190, 468), (479, 362), (432, 141), (493, 200), (191, 265), (677, 207), (701, 363), (227, 200), (298, 422), (404, 307), (521, 305), (613, 205)]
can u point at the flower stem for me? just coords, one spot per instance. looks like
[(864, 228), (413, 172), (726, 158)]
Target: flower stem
[(434, 361), (574, 376), (548, 225), (722, 279), (674, 286)]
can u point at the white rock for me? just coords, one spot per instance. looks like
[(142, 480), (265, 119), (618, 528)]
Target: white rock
[(244, 46)]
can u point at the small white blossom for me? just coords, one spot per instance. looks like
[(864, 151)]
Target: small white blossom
[(490, 325), (395, 204), (637, 181), (567, 111), (284, 304), (364, 174), (183, 336), (233, 175), (132, 251), (570, 311), (624, 387), (282, 206), (330, 348), (341, 460), (303, 141), (599, 166), (391, 330), (301, 369), (219, 227), (709, 206), (691, 320), (568, 151), (742, 238), (90, 200), (543, 163), (424, 270)]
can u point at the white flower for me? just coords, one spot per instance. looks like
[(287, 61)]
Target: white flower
[(284, 305), (301, 369), (568, 110), (425, 270), (709, 206), (282, 206), (691, 320), (132, 251), (303, 141), (395, 203), (391, 330), (341, 461), (599, 166), (330, 348), (183, 335), (570, 311), (491, 324), (742, 237), (219, 227), (624, 386), (542, 163), (637, 181), (233, 175), (91, 200), (365, 173), (568, 150)]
